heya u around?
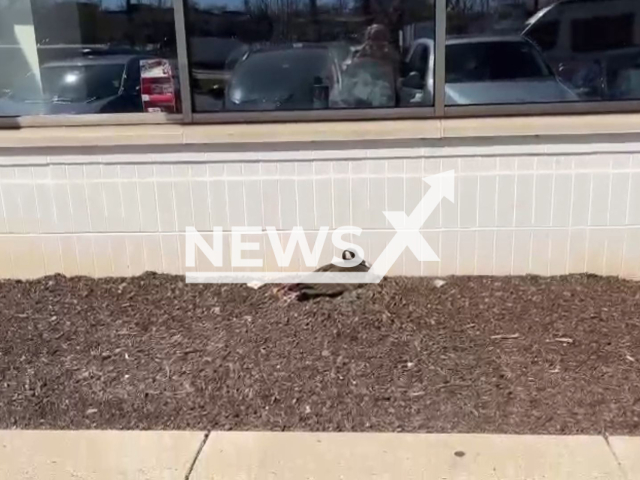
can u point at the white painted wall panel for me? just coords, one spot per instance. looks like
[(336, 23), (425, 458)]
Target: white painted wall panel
[(515, 212)]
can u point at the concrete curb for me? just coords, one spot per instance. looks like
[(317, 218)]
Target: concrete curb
[(166, 455)]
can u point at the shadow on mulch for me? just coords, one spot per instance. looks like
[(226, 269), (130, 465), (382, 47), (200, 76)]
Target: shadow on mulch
[(554, 355)]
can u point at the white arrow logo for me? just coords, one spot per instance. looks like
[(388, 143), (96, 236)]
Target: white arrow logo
[(407, 235), (408, 227)]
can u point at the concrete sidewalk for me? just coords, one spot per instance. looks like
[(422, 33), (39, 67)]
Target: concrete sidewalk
[(135, 455)]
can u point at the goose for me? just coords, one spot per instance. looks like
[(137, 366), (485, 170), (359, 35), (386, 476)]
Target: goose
[(308, 291)]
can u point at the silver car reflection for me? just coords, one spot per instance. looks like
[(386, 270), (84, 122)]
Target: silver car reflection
[(482, 70)]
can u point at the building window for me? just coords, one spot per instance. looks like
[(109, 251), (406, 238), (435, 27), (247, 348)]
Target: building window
[(309, 55), (539, 51), (87, 57), (490, 61), (65, 57)]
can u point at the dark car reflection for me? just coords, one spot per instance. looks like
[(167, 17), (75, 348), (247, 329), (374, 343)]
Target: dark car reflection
[(84, 85), (284, 78)]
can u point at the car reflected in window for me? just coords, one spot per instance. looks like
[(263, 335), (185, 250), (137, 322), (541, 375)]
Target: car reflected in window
[(80, 57), (302, 56), (498, 71), (284, 78), (89, 85), (483, 70), (83, 85), (591, 47)]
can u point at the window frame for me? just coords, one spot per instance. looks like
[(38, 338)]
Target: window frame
[(437, 110)]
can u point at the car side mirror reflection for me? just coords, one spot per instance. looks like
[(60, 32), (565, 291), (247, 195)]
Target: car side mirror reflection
[(413, 81)]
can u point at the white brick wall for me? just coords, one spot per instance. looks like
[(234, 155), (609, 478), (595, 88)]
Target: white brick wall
[(529, 208)]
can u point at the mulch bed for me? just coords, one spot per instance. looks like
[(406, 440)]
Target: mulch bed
[(479, 354)]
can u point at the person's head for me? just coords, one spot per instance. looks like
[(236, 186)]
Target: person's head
[(376, 33)]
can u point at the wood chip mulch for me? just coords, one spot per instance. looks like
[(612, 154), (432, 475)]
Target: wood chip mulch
[(554, 355)]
